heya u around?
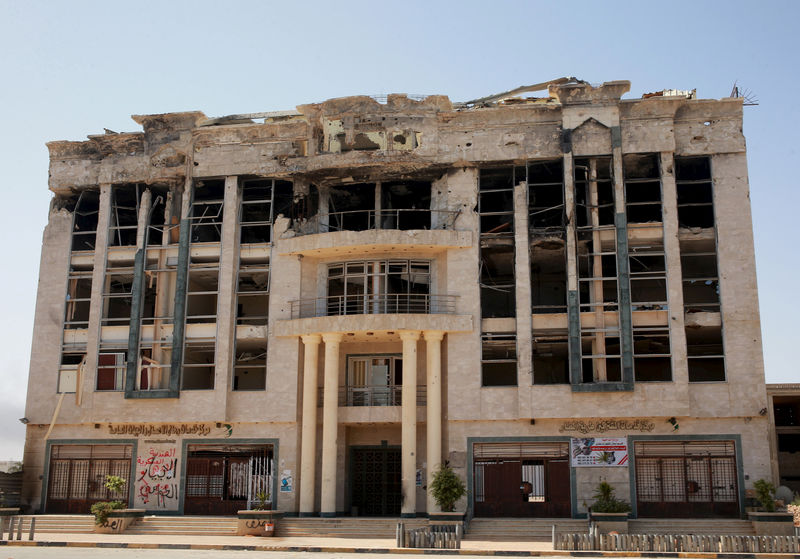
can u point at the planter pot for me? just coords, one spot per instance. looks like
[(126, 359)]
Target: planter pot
[(772, 523), (119, 520), (257, 522), (446, 517), (611, 522)]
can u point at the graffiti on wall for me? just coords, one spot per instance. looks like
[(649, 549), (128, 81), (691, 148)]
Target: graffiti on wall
[(156, 485)]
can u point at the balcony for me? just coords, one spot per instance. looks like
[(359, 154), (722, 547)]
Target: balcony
[(373, 396), (390, 303)]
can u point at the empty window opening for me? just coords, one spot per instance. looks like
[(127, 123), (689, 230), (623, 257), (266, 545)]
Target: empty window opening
[(351, 207), (124, 218), (594, 192), (252, 294), (374, 380), (695, 192), (110, 370), (86, 208), (498, 288), (154, 364), (405, 205), (198, 364), (496, 200), (546, 195), (789, 442), (79, 294), (550, 359), (699, 276), (117, 297), (651, 354), (201, 293), (642, 188), (499, 359), (549, 275), (379, 287), (263, 200), (787, 414), (705, 353), (250, 365), (601, 359), (648, 277), (206, 212), (597, 274)]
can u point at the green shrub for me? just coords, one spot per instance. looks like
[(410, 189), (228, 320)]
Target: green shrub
[(447, 488), (100, 510), (605, 501), (765, 493)]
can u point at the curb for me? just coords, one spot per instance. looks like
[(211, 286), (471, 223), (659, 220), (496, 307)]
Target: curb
[(401, 551)]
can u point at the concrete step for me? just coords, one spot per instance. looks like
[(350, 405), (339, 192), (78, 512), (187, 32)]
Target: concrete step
[(60, 523), (697, 526), (185, 525), (344, 527), (520, 529)]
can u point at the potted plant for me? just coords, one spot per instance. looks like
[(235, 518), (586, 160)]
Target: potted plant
[(768, 522), (102, 509), (446, 488), (610, 513)]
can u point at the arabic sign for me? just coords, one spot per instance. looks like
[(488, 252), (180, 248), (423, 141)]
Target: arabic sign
[(605, 425), (599, 451)]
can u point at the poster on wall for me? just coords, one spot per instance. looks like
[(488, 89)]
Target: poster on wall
[(156, 482), (286, 481), (599, 451)]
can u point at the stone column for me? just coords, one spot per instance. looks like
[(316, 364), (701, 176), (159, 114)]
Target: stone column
[(433, 353), (409, 428), (330, 425), (227, 280), (308, 456)]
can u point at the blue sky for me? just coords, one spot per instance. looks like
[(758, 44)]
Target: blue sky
[(74, 68)]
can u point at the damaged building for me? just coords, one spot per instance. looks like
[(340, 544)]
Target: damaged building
[(322, 306)]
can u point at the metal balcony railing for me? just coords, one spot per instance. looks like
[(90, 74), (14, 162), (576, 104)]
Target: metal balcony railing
[(389, 303), (380, 396), (364, 220)]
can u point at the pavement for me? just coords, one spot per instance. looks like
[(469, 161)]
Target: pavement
[(336, 545)]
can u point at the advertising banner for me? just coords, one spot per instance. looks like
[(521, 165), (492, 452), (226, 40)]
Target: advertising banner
[(599, 451)]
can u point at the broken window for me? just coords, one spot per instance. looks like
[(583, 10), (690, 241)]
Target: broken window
[(651, 354), (699, 271), (499, 359), (206, 211), (124, 218), (496, 199), (642, 188), (252, 294), (117, 297), (705, 353), (402, 205), (262, 201), (498, 288), (598, 284), (550, 358), (548, 233), (695, 192), (198, 363), (73, 358), (648, 276), (79, 294), (250, 365), (379, 287), (546, 195), (201, 292), (85, 208), (594, 192), (110, 369)]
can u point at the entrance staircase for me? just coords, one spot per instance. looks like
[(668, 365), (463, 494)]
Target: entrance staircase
[(184, 526), (345, 527), (692, 526), (59, 523), (521, 529)]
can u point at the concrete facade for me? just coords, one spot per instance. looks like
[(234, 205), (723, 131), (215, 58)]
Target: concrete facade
[(513, 274)]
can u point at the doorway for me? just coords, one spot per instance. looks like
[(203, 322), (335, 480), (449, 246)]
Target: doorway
[(375, 481)]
